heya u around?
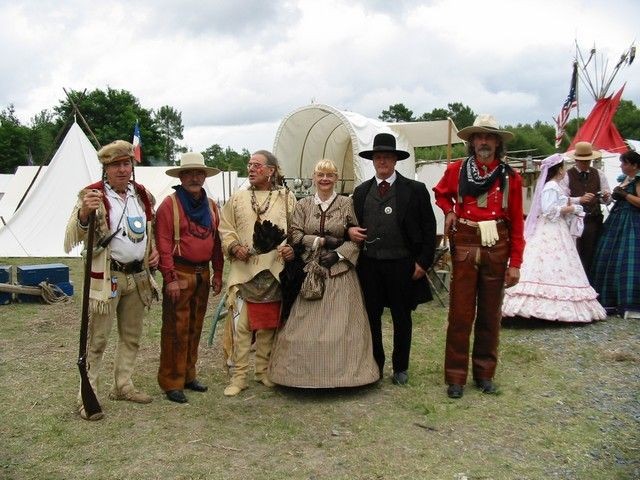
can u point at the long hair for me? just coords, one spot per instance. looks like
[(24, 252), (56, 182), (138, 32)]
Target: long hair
[(272, 161), (500, 150)]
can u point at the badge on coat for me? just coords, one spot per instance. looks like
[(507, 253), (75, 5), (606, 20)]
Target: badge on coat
[(388, 210)]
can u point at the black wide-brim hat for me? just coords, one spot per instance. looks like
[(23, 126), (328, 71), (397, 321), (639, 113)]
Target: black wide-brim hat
[(384, 142)]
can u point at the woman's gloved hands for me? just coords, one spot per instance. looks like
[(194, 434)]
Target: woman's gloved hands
[(328, 259), (619, 193), (331, 243)]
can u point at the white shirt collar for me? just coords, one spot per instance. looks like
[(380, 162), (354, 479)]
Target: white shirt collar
[(324, 204), (389, 180)]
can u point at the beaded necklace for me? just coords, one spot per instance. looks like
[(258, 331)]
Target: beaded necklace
[(260, 209)]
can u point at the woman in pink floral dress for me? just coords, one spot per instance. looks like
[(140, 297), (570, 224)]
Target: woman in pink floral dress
[(553, 285)]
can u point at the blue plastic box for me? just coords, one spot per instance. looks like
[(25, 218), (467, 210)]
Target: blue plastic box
[(66, 287), (34, 274), (5, 277)]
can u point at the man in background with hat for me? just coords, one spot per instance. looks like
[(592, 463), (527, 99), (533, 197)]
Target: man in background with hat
[(124, 252), (188, 241), (481, 197), (588, 187), (398, 236)]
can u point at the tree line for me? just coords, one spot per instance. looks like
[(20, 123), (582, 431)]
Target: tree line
[(112, 114), (538, 139)]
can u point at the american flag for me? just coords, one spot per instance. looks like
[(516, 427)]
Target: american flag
[(137, 143), (569, 103)]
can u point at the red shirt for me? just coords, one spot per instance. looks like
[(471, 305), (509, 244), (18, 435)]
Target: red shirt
[(192, 247), (446, 195)]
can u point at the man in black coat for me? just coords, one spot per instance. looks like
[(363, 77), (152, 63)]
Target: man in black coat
[(398, 236)]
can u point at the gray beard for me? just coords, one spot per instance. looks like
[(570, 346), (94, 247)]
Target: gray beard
[(484, 153)]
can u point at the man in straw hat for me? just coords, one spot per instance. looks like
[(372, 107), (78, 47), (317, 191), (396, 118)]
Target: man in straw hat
[(398, 236), (481, 197), (588, 187), (253, 230), (188, 243), (124, 252)]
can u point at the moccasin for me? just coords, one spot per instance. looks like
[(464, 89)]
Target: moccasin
[(135, 396)]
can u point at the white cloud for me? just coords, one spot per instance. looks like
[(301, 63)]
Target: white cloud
[(236, 68)]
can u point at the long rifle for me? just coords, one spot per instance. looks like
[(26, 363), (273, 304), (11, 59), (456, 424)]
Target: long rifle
[(89, 399)]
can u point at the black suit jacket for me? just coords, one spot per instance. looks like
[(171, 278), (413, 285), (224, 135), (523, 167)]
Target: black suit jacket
[(415, 220)]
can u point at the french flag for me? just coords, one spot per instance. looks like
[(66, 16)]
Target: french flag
[(137, 143)]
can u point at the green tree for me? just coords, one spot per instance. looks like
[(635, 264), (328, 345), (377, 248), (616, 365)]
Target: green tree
[(627, 120), (14, 141), (112, 115), (42, 137), (397, 113), (227, 159), (462, 115), (169, 123), (536, 140)]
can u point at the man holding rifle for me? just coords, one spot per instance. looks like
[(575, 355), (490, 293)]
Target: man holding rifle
[(121, 286)]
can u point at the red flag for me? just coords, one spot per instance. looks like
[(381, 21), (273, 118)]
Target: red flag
[(569, 103), (137, 143)]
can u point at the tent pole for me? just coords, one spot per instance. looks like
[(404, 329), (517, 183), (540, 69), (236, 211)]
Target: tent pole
[(449, 123), (77, 110)]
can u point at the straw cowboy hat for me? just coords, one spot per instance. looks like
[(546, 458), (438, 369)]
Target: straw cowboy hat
[(486, 124), (192, 161), (384, 142), (584, 151)]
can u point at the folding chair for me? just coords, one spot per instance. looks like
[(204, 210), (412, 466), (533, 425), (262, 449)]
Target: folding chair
[(439, 269)]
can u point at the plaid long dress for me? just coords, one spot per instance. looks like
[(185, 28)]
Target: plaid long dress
[(616, 267), (326, 343)]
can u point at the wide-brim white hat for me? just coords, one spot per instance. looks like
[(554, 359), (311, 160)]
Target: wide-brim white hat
[(192, 161), (485, 124)]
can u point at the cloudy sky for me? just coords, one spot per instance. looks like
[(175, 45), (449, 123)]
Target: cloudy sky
[(236, 68)]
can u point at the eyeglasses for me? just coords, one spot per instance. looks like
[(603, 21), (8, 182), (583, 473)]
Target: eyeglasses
[(255, 165)]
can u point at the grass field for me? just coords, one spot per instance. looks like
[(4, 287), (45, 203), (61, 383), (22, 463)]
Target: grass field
[(568, 408)]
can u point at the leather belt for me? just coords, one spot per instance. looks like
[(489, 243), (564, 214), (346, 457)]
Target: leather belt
[(131, 267), (471, 223), (190, 266)]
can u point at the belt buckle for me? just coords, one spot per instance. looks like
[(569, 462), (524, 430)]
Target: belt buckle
[(199, 269)]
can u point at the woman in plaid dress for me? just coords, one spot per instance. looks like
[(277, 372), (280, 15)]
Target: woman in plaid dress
[(616, 268)]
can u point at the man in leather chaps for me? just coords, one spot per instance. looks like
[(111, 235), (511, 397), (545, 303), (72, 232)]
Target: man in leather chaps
[(481, 197)]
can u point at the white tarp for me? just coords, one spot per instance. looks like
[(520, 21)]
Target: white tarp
[(430, 174), (16, 189), (37, 228), (317, 131), (5, 179), (160, 184)]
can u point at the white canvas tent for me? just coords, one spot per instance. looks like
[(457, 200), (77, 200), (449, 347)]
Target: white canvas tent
[(17, 187), (5, 180), (317, 131), (37, 228), (430, 174)]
